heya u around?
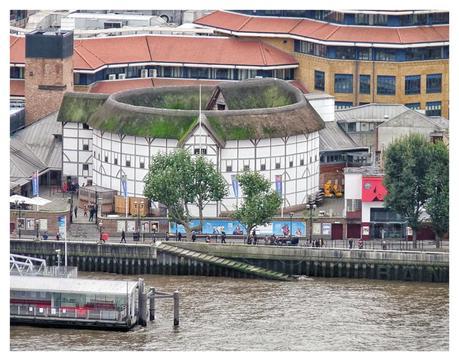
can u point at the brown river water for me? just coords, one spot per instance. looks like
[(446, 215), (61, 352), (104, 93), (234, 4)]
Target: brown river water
[(244, 314)]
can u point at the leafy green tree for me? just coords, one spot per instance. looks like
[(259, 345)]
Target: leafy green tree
[(406, 165), (437, 183), (260, 202), (209, 186), (177, 180)]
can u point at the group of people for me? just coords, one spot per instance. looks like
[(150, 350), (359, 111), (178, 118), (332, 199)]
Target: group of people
[(92, 211)]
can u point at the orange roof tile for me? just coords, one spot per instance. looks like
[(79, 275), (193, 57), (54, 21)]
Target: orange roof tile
[(90, 54), (17, 87), (325, 31)]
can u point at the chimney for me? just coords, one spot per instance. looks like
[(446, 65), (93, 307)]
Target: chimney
[(48, 71)]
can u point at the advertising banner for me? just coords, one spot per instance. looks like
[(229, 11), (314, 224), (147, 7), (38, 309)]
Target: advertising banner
[(282, 228), (213, 227), (35, 184), (326, 229), (124, 186), (373, 189)]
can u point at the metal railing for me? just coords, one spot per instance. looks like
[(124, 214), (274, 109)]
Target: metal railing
[(68, 313)]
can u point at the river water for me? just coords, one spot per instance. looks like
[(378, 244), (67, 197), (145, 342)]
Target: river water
[(244, 314)]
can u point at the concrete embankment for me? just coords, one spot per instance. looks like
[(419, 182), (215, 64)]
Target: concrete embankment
[(316, 262)]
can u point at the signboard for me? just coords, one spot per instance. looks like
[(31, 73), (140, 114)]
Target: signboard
[(62, 226), (21, 223), (235, 184), (365, 230), (120, 226), (145, 226), (316, 228), (43, 224), (131, 226), (30, 224), (326, 229), (373, 189), (409, 231)]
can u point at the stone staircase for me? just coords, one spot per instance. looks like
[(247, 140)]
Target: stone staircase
[(223, 262)]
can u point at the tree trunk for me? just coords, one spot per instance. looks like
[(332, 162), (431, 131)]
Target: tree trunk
[(437, 240), (201, 217), (415, 245)]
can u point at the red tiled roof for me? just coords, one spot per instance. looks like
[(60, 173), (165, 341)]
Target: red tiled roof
[(17, 88), (113, 86), (91, 54), (325, 31)]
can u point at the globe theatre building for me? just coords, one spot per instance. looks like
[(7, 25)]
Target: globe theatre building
[(265, 125)]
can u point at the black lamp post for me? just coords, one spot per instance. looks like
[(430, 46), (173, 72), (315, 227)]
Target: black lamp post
[(37, 229), (311, 206), (291, 224)]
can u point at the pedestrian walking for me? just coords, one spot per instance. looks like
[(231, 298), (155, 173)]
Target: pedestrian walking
[(223, 237), (254, 236), (350, 243), (322, 243), (208, 239), (91, 212), (75, 210), (45, 235), (123, 237), (167, 236), (193, 236), (85, 210), (179, 236), (57, 236)]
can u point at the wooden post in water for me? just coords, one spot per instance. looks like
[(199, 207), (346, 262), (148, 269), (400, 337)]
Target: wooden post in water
[(152, 303), (142, 303), (176, 308)]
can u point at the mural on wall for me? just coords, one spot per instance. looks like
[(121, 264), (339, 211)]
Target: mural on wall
[(373, 189)]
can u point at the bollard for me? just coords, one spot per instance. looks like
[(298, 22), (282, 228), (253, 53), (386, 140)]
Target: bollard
[(176, 308), (152, 303)]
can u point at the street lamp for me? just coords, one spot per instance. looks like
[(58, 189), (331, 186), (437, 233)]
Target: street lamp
[(291, 224), (311, 206), (100, 230), (18, 216)]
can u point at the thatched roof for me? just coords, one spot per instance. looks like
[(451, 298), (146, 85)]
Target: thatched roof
[(78, 107), (261, 108)]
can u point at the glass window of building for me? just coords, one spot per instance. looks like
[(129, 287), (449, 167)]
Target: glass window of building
[(343, 105), (433, 109), (364, 53), (412, 84), (385, 54), (85, 166), (433, 83), (439, 18), (345, 52), (413, 106), (364, 84), (198, 73), (362, 19), (378, 19), (343, 83), (386, 85), (319, 80), (351, 127)]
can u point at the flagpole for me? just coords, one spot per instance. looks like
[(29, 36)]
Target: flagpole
[(200, 124)]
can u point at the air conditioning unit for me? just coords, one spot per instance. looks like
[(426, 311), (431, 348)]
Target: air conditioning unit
[(153, 73), (144, 73), (122, 76), (111, 76)]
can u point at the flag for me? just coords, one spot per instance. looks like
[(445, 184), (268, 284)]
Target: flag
[(279, 184), (235, 183), (124, 185), (35, 183)]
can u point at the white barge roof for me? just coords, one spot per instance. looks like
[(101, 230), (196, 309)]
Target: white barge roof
[(71, 285)]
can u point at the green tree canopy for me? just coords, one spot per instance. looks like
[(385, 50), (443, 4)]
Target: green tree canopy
[(437, 182), (260, 202), (409, 166), (177, 180)]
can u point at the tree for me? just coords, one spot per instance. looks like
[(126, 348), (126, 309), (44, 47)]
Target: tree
[(406, 165), (260, 202), (210, 186), (437, 183), (177, 180)]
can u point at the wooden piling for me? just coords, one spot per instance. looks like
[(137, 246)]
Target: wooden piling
[(152, 303), (142, 303), (176, 308)]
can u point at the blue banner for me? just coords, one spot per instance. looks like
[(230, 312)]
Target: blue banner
[(213, 227), (124, 186), (35, 184), (235, 184), (279, 184)]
